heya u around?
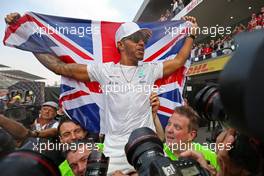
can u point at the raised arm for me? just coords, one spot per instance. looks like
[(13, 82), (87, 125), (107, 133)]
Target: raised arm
[(171, 66), (53, 63)]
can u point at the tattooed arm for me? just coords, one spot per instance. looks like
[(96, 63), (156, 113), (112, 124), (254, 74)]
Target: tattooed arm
[(53, 63)]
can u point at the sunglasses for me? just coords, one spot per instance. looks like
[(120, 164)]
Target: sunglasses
[(136, 37)]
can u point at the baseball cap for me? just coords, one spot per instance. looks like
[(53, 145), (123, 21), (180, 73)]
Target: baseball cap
[(126, 29), (51, 104)]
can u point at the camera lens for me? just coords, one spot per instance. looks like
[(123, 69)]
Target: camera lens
[(27, 163), (143, 147), (97, 164), (208, 104)]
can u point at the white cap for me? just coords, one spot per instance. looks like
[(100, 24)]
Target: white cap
[(51, 104), (126, 29)]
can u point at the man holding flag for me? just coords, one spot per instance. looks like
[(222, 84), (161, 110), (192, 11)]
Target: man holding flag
[(125, 108)]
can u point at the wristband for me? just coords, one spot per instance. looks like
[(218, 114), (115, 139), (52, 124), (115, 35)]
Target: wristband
[(191, 36)]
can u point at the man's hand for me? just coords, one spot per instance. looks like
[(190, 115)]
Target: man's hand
[(170, 66), (228, 167), (194, 27), (52, 62), (154, 102), (12, 18)]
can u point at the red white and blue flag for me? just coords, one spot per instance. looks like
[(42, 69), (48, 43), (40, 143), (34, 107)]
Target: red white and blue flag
[(84, 41)]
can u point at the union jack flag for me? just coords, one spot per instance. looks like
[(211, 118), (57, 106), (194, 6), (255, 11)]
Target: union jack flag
[(84, 41)]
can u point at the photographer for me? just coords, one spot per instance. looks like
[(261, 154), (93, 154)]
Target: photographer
[(77, 157)]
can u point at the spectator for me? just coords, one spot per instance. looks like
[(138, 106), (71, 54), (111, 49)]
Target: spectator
[(15, 100), (211, 44), (70, 131), (262, 10), (162, 18), (175, 9), (44, 127), (180, 132), (168, 14), (200, 47), (180, 5), (207, 50), (242, 28), (259, 20), (3, 100), (77, 157), (29, 98), (194, 51), (262, 20), (252, 23), (46, 117)]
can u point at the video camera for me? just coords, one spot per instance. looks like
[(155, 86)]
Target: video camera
[(144, 151), (237, 101)]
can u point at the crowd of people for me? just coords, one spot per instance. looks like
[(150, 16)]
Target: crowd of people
[(16, 98), (176, 7), (225, 44)]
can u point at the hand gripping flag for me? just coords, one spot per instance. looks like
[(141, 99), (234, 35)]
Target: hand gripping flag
[(84, 41)]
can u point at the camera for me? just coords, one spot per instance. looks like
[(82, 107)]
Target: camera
[(97, 164), (236, 101), (144, 151), (25, 114), (27, 162)]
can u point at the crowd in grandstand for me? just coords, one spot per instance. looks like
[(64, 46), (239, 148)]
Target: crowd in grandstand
[(176, 7), (222, 45), (225, 44), (15, 98)]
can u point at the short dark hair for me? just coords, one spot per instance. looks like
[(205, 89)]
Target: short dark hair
[(189, 113), (65, 119)]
